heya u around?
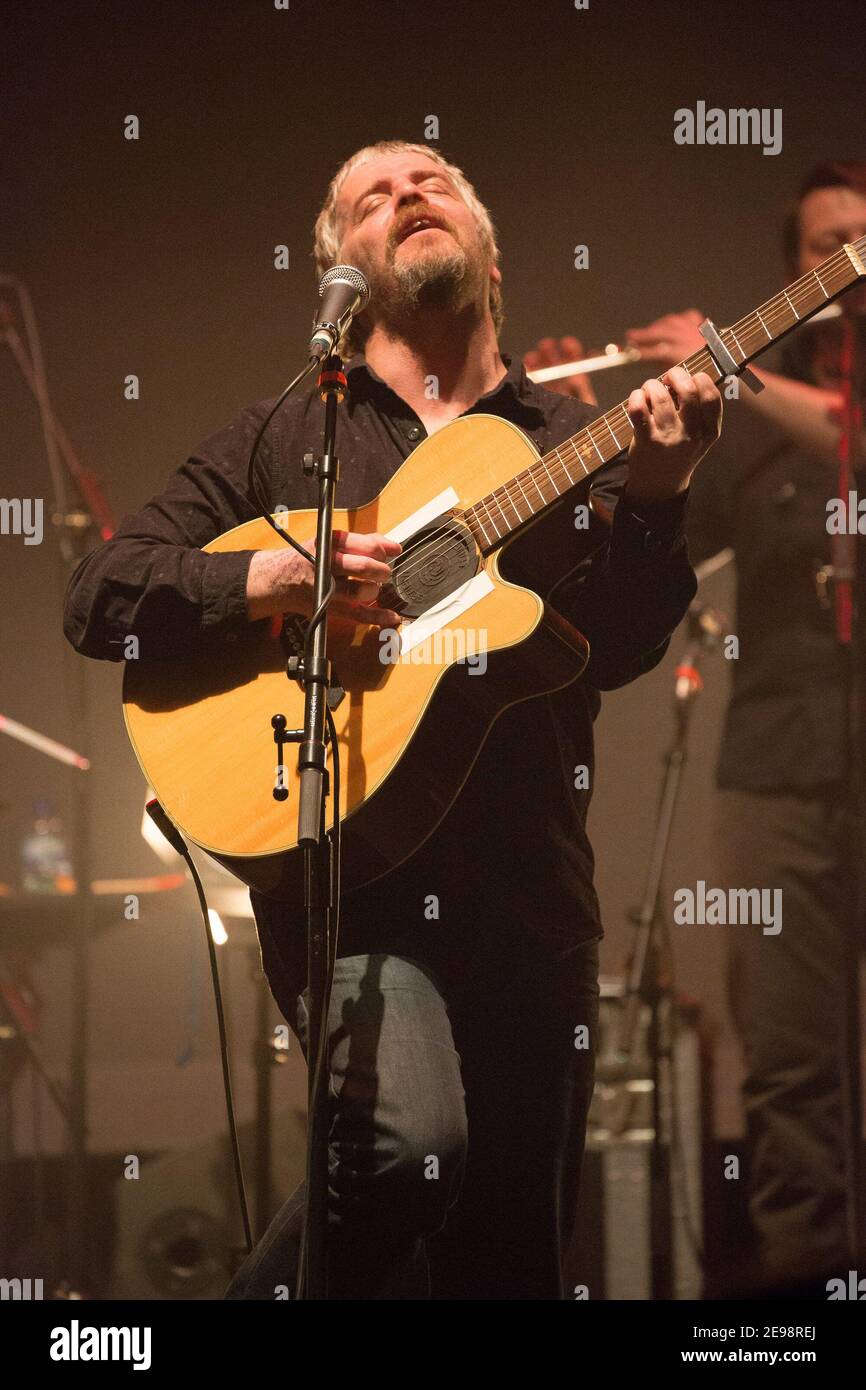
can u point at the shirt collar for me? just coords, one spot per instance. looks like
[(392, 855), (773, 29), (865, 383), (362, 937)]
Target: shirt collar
[(515, 383)]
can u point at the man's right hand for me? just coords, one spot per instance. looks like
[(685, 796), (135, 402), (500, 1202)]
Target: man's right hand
[(281, 581)]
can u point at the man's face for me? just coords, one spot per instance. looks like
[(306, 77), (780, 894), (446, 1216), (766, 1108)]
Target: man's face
[(828, 218), (402, 221)]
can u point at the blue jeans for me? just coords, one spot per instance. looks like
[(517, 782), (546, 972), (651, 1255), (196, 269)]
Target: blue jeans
[(458, 1097)]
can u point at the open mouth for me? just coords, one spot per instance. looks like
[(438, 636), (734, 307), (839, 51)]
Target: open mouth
[(421, 223)]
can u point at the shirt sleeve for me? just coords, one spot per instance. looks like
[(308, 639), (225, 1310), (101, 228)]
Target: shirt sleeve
[(629, 596), (747, 441), (152, 580), (710, 521)]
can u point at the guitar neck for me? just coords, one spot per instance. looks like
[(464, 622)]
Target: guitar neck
[(502, 512)]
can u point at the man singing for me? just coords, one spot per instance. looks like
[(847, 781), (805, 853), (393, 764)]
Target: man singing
[(466, 978)]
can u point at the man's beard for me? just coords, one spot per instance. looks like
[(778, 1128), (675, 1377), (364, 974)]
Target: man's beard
[(436, 281), (448, 279)]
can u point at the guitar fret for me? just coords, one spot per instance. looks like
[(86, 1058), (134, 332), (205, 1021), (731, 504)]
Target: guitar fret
[(525, 498), (763, 325), (565, 468), (532, 473), (737, 341), (490, 516), (776, 317), (579, 457), (520, 519), (506, 527), (477, 517), (550, 476)]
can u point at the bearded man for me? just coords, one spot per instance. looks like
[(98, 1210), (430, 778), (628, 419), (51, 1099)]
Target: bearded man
[(452, 1035)]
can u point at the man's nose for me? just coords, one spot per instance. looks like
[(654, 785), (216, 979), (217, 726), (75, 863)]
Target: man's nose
[(405, 194)]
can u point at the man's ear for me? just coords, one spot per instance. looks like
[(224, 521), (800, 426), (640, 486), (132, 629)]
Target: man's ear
[(495, 275)]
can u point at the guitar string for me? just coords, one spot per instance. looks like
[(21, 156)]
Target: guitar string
[(597, 430), (555, 466)]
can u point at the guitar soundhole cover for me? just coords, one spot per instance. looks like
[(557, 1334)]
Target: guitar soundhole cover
[(435, 560)]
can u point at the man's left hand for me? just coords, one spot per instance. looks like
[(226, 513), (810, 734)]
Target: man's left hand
[(675, 420)]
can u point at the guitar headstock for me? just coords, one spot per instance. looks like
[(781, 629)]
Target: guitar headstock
[(857, 253)]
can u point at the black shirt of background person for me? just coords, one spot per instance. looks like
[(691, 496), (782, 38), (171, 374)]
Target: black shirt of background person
[(766, 497)]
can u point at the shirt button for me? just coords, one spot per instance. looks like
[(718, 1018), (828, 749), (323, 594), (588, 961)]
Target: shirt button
[(414, 433)]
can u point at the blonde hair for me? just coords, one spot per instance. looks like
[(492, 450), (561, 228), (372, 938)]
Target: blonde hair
[(326, 239)]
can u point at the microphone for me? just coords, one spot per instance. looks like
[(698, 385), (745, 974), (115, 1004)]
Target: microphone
[(705, 628), (344, 292)]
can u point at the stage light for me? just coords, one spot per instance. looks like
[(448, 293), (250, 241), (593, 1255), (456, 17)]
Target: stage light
[(217, 930)]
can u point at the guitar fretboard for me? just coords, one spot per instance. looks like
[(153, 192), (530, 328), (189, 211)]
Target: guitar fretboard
[(509, 507)]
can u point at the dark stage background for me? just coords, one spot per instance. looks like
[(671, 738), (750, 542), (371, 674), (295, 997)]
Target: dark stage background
[(155, 257)]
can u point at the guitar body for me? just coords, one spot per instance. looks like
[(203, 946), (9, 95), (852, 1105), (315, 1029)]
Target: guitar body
[(411, 723)]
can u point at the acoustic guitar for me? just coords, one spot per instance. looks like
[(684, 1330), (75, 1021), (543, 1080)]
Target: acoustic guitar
[(417, 707)]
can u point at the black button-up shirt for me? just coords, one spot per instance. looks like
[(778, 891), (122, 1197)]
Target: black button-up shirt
[(765, 497), (514, 843)]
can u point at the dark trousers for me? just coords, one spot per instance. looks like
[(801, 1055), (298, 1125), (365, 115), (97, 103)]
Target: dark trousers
[(458, 1103), (786, 997)]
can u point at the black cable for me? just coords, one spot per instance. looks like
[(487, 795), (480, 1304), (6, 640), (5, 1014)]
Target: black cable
[(252, 480), (253, 486), (679, 1166), (177, 842)]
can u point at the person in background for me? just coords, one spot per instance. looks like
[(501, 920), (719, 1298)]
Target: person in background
[(783, 770)]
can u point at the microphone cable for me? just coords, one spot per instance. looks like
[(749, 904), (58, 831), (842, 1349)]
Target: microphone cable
[(170, 832)]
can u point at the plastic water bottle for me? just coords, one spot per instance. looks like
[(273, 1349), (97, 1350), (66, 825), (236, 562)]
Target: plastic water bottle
[(45, 863)]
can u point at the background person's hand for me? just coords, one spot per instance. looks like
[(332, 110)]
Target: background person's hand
[(550, 352), (670, 339)]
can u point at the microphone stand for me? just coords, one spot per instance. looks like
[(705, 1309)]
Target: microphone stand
[(11, 1030), (318, 848), (73, 527), (644, 984)]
